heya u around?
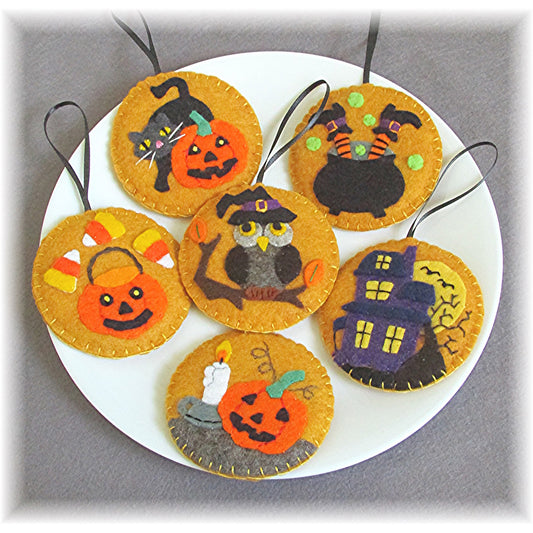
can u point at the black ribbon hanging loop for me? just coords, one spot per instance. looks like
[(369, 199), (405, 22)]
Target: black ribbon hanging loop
[(422, 216), (271, 159), (148, 50), (83, 189), (371, 44)]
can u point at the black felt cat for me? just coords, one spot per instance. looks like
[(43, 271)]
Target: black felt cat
[(155, 142)]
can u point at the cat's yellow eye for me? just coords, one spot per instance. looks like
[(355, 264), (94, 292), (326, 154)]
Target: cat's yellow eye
[(164, 132), (142, 147), (147, 142)]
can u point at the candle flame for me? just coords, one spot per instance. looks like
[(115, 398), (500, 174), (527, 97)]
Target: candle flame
[(223, 351)]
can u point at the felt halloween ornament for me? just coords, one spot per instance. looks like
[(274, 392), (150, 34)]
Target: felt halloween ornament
[(373, 156), (179, 138), (249, 405), (258, 258), (106, 281), (405, 313)]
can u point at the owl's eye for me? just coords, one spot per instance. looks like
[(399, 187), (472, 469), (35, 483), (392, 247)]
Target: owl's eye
[(247, 229), (278, 228)]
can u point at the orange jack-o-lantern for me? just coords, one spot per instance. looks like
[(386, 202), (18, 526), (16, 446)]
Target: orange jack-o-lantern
[(209, 153), (263, 416), (123, 302)]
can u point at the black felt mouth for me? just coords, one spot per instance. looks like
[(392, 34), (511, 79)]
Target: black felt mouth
[(238, 424), (124, 325), (209, 172)]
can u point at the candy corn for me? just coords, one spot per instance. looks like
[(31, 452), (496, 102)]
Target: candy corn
[(102, 229), (63, 274), (154, 248)]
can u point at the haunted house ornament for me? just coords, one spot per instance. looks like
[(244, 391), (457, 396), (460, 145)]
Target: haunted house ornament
[(372, 158), (405, 313), (249, 405)]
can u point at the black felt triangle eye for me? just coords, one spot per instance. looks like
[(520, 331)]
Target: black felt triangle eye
[(282, 415), (257, 418), (249, 399)]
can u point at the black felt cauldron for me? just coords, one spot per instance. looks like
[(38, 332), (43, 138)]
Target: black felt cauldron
[(359, 185)]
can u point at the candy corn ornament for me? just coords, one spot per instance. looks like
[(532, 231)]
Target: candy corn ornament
[(106, 281)]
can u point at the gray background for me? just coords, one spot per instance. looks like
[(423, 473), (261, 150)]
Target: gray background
[(468, 462)]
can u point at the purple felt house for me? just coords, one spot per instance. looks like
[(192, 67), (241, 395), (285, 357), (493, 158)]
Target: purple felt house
[(383, 323)]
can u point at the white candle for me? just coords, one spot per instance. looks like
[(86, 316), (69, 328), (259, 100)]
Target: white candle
[(216, 378)]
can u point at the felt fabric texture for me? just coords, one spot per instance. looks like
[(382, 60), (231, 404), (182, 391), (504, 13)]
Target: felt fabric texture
[(367, 193), (152, 183), (142, 301), (277, 389), (252, 275), (431, 297)]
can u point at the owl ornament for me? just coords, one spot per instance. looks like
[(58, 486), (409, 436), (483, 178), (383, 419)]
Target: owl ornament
[(259, 258), (106, 281), (179, 139), (249, 405), (371, 159), (405, 313)]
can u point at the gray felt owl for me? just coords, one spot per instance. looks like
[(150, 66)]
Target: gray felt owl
[(264, 261)]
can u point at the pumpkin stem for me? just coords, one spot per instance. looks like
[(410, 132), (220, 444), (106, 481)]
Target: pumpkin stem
[(276, 389), (204, 128)]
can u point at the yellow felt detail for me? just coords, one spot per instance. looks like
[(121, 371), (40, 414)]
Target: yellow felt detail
[(376, 290), (111, 224), (59, 280), (145, 240), (116, 276), (450, 292), (364, 331), (224, 351)]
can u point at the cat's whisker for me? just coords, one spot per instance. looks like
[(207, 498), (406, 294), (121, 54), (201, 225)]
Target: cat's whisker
[(177, 138), (174, 132), (151, 161), (145, 156)]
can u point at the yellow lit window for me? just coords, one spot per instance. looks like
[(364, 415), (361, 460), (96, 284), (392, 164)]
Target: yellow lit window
[(393, 339), (362, 337), (378, 290), (383, 262)]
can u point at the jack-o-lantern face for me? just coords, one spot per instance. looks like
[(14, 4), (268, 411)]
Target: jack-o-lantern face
[(122, 302), (209, 154), (256, 420)]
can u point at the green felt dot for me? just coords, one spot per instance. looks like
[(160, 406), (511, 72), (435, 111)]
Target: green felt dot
[(313, 144), (369, 120), (415, 162), (360, 149), (356, 99)]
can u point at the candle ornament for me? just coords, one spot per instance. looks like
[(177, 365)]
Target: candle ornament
[(273, 415)]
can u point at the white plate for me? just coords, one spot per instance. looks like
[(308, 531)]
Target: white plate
[(130, 393)]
